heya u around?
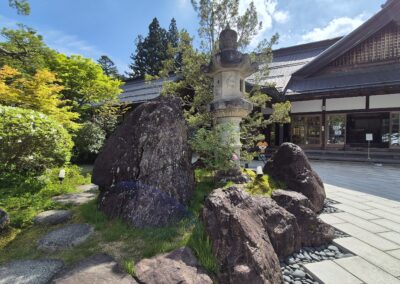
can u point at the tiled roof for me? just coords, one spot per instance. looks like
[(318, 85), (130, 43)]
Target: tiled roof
[(286, 61), (137, 91)]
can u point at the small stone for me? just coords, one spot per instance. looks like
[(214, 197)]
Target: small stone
[(315, 257), (295, 266), (299, 274), (333, 248), (287, 279)]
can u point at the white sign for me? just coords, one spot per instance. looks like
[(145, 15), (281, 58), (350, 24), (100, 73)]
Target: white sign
[(369, 137)]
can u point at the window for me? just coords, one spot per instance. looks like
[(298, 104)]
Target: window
[(306, 130), (395, 130), (336, 129)]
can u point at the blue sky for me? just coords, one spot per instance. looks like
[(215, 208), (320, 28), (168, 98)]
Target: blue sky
[(96, 27)]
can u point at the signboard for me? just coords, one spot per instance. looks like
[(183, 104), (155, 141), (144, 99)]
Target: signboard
[(369, 137)]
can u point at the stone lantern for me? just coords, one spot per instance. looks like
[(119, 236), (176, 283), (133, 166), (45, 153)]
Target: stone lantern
[(229, 68)]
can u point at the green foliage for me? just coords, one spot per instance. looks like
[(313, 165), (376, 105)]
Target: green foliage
[(108, 67), (85, 82), (215, 15), (151, 50), (31, 142), (213, 150), (22, 6), (24, 197), (24, 50), (89, 140), (129, 267)]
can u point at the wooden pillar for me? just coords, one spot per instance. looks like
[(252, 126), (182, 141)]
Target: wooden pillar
[(323, 125)]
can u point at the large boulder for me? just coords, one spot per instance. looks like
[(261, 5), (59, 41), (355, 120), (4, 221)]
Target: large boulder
[(4, 219), (179, 266), (141, 206), (290, 165), (313, 231), (235, 223), (150, 146)]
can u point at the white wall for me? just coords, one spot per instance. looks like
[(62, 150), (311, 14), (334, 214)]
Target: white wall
[(384, 101), (346, 103), (307, 106)]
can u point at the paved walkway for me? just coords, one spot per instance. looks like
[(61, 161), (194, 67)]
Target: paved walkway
[(373, 223), (383, 181)]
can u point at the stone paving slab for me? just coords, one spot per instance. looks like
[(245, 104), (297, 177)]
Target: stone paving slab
[(375, 256), (388, 215), (362, 223), (331, 219), (367, 237), (91, 187), (357, 212), (382, 207), (75, 198), (395, 253), (329, 272), (65, 237), (53, 217), (388, 224), (29, 271), (391, 236), (354, 204), (365, 271)]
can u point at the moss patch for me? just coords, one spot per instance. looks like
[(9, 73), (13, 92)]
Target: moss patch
[(261, 185)]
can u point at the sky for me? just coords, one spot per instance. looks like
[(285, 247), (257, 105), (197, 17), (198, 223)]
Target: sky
[(96, 27)]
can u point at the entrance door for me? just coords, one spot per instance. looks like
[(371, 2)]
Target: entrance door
[(358, 125), (336, 130)]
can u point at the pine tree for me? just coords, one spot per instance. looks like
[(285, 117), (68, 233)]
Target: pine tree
[(108, 66), (150, 52)]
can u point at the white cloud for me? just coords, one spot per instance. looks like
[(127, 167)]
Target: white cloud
[(336, 27), (70, 44), (268, 13)]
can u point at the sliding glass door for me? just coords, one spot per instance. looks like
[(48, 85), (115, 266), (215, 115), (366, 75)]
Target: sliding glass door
[(395, 130), (306, 130)]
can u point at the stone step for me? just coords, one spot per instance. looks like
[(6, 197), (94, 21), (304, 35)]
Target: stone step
[(365, 271), (328, 272), (376, 257), (75, 198)]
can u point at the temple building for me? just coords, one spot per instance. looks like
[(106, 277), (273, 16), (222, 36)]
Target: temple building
[(340, 89)]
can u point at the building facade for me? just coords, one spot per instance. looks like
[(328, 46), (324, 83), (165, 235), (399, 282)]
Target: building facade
[(343, 91)]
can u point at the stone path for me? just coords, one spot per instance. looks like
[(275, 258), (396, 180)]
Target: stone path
[(373, 224), (29, 271)]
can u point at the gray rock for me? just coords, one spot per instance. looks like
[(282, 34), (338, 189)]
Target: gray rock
[(236, 224), (179, 266), (141, 206), (333, 248), (53, 217), (150, 146), (75, 198), (91, 187), (312, 230), (65, 237), (99, 269), (29, 271), (299, 274), (4, 219), (289, 164)]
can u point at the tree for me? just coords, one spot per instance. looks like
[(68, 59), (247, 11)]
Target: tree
[(40, 92), (22, 6), (85, 82), (196, 89), (215, 15), (150, 52), (108, 67), (24, 50)]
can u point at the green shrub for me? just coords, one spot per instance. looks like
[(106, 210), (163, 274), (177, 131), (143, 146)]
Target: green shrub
[(31, 142), (261, 185), (88, 141)]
